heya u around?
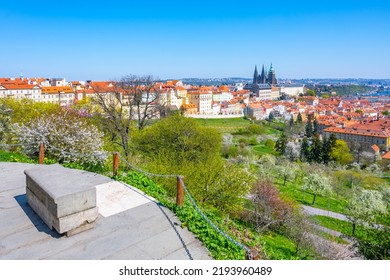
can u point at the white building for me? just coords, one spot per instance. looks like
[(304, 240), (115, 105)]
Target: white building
[(291, 90)]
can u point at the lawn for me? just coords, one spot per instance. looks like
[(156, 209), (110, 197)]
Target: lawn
[(293, 191), (228, 125), (262, 150), (338, 225)]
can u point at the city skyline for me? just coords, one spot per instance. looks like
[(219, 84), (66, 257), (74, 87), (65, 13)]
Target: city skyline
[(100, 41)]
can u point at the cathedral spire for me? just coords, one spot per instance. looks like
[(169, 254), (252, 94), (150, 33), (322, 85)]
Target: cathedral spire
[(263, 76), (255, 76)]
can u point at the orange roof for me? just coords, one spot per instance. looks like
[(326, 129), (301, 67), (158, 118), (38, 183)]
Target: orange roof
[(189, 106), (52, 90), (354, 131), (386, 155), (375, 148), (19, 86)]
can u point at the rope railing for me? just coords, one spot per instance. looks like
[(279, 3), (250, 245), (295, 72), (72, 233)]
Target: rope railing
[(181, 184)]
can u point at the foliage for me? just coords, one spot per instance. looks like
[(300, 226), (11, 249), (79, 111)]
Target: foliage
[(67, 138), (5, 118), (281, 144), (222, 185), (340, 152), (363, 206), (269, 143), (309, 128), (286, 170), (304, 154), (23, 111), (317, 184), (13, 157), (179, 140), (269, 210), (179, 145), (299, 118), (375, 244), (292, 151)]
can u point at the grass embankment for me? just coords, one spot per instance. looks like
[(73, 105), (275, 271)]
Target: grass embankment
[(14, 157)]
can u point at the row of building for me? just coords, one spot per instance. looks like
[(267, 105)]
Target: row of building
[(205, 100)]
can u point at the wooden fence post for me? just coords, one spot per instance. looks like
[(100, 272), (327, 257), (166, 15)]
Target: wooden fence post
[(41, 153), (115, 164), (179, 192), (254, 255)]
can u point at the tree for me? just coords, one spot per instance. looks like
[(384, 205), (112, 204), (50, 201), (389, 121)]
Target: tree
[(286, 170), (316, 150), (67, 138), (340, 152), (326, 149), (292, 151), (299, 118), (271, 117), (5, 118), (310, 92), (375, 245), (269, 210), (127, 105), (363, 206), (317, 184), (309, 128), (281, 143), (316, 128), (299, 229), (180, 145), (291, 122), (178, 139), (304, 154)]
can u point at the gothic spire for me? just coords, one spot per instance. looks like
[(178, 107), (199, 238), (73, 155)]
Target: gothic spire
[(255, 76)]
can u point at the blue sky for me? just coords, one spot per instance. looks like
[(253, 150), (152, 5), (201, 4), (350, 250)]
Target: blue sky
[(175, 39)]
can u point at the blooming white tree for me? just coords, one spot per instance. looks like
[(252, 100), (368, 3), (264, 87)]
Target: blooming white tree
[(66, 136), (363, 206), (317, 184), (292, 151)]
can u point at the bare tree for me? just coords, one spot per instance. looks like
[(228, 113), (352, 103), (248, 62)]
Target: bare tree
[(127, 104)]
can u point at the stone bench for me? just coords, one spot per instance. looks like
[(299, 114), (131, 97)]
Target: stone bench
[(61, 198)]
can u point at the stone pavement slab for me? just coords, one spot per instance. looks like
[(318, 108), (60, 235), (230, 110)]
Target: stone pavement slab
[(140, 230)]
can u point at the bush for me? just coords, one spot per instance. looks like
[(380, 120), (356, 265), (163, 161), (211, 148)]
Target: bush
[(67, 138)]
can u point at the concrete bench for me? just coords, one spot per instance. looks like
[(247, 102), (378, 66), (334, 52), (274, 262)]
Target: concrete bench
[(61, 198)]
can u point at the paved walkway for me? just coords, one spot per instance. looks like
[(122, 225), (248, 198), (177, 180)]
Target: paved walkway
[(316, 211), (131, 225)]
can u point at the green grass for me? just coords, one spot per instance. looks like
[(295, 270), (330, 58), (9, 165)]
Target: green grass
[(293, 191), (278, 247), (344, 227), (262, 150), (228, 125), (14, 157)]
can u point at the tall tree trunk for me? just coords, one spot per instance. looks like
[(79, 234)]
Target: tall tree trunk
[(314, 199)]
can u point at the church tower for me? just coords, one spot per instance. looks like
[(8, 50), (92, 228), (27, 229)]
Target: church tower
[(271, 76)]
